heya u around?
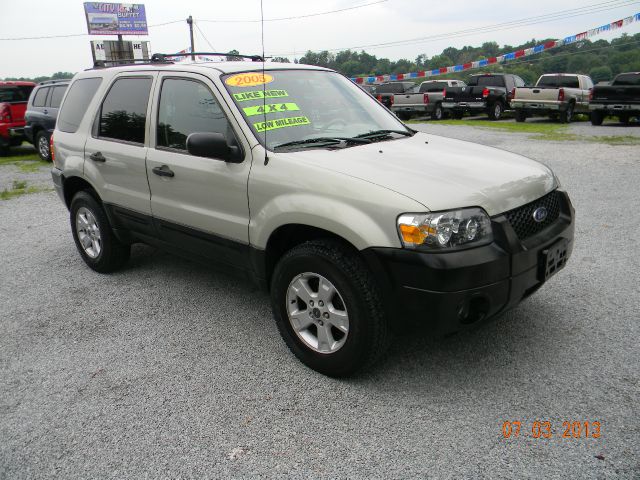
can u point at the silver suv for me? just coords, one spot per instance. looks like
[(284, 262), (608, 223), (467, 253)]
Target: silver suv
[(298, 179)]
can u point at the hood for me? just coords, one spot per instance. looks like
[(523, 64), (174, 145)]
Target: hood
[(439, 172)]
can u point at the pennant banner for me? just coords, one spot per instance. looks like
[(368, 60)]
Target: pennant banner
[(502, 58)]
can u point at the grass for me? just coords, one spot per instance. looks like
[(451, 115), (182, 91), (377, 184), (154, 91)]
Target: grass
[(19, 188), (25, 159), (554, 132)]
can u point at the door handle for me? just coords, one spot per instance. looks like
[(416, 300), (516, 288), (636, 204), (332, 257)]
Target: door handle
[(46, 112), (97, 157), (163, 171)]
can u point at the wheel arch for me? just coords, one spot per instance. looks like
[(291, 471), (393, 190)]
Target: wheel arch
[(75, 184), (289, 236)]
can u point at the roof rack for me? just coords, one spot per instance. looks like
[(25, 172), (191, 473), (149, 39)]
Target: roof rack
[(56, 80), (167, 58), (128, 61), (159, 57)]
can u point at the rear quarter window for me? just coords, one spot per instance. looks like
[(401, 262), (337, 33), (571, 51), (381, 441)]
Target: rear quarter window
[(40, 97), (56, 96), (75, 106)]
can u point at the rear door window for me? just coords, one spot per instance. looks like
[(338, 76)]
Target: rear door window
[(123, 113), (75, 105), (56, 96), (40, 98)]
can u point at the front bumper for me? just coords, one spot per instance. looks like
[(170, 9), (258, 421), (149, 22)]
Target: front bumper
[(457, 290)]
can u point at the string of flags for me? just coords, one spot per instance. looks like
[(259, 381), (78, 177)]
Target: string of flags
[(502, 58)]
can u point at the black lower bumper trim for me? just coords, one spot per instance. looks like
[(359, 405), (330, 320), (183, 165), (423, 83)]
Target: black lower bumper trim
[(452, 291)]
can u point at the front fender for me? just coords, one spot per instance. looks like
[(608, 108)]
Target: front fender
[(343, 219)]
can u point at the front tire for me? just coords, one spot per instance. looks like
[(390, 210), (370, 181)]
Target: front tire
[(94, 238), (42, 146), (328, 309)]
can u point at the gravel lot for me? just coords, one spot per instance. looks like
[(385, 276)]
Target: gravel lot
[(169, 370)]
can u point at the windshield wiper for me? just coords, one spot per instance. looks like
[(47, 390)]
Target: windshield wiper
[(326, 140), (380, 133)]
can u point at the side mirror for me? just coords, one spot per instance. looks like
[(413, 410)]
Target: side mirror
[(213, 145)]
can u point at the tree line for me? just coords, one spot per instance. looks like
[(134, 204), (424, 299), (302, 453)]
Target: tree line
[(600, 59)]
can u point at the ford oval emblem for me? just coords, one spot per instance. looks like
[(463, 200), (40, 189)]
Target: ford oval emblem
[(540, 214)]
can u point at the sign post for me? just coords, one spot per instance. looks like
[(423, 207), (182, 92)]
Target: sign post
[(117, 19)]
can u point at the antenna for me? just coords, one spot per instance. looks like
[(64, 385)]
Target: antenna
[(264, 85)]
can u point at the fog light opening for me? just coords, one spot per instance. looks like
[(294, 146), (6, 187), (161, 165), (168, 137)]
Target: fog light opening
[(473, 310)]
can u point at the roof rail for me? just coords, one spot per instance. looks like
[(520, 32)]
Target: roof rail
[(158, 57), (55, 80), (127, 61)]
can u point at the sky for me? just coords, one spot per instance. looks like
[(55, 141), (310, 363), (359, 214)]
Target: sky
[(382, 22)]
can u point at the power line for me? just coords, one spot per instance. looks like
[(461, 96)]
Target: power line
[(79, 34), (297, 16), (560, 15), (213, 49)]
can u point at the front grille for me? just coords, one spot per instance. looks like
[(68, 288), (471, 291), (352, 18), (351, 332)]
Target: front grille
[(521, 218)]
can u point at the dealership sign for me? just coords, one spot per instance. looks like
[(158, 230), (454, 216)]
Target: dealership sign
[(116, 18)]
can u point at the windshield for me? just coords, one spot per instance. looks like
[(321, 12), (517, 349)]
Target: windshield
[(306, 104), (559, 81)]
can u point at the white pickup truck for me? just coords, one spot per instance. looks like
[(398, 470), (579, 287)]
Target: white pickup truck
[(425, 99), (555, 95)]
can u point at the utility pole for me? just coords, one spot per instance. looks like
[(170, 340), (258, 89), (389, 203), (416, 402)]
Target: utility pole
[(190, 22)]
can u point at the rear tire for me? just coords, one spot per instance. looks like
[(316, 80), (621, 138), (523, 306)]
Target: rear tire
[(42, 146), (437, 114), (496, 110), (521, 116), (597, 118), (94, 238), (304, 312)]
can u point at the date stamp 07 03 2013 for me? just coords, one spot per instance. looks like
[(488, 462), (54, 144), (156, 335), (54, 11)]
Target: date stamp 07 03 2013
[(544, 429)]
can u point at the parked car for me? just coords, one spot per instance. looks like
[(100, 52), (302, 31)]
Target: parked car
[(41, 114), (488, 93), (370, 89), (621, 98), (13, 103), (555, 94), (386, 91), (350, 220), (423, 99)]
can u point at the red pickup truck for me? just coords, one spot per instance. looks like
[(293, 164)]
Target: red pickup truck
[(13, 104)]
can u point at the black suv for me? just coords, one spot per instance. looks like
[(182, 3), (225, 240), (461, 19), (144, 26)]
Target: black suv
[(42, 111)]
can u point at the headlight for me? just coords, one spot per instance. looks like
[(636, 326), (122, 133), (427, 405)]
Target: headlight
[(468, 227)]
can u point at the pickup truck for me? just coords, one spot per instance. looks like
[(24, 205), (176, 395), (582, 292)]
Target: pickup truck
[(487, 92), (13, 104), (621, 98), (426, 99), (556, 95), (385, 91)]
